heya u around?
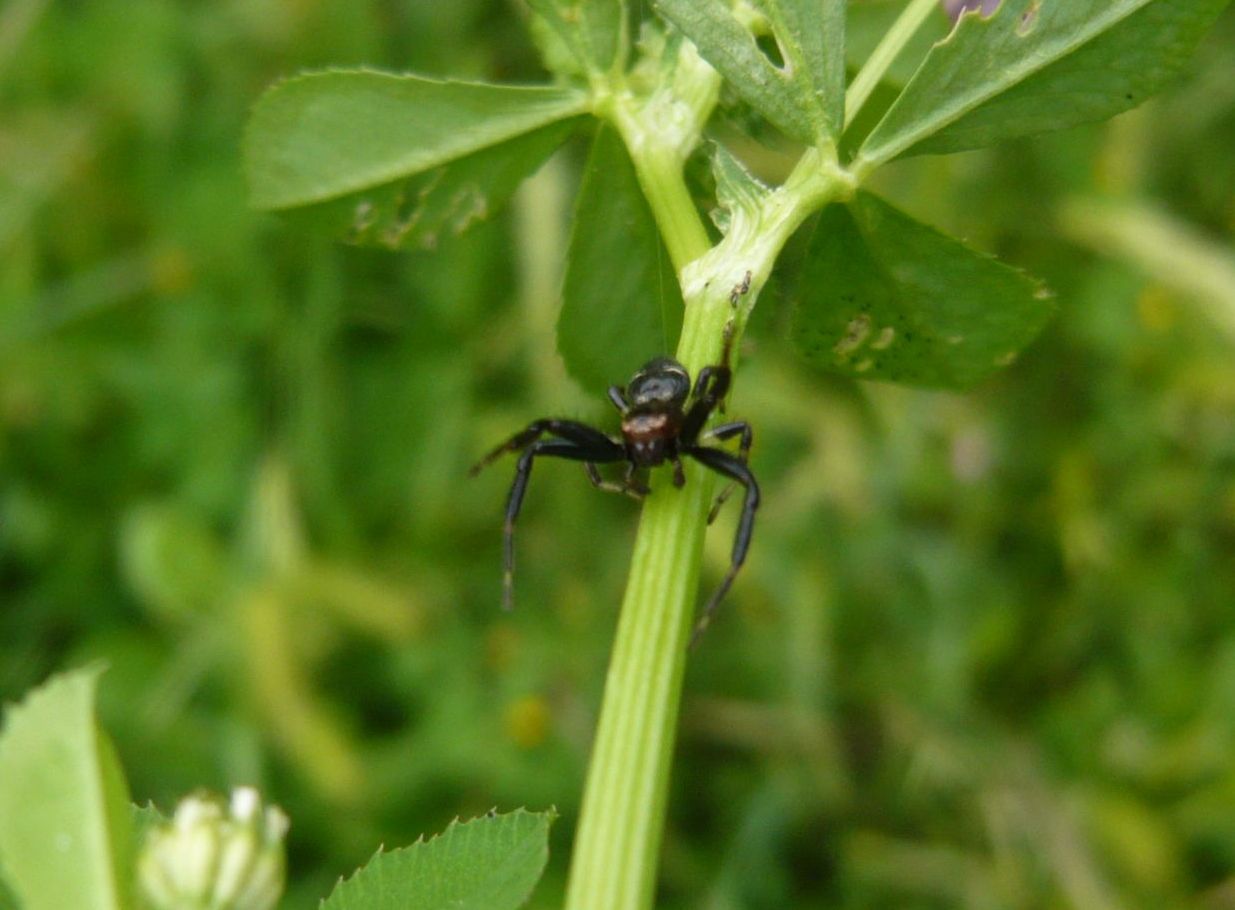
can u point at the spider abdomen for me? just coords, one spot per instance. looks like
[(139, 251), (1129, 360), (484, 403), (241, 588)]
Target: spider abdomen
[(650, 436)]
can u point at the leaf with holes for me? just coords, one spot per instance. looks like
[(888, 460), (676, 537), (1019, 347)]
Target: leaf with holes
[(325, 135), (421, 211), (804, 97), (1038, 65), (593, 31), (885, 297), (489, 863), (811, 37), (621, 302), (65, 826)]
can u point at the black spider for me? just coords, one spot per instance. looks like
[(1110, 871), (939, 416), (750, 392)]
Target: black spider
[(662, 420)]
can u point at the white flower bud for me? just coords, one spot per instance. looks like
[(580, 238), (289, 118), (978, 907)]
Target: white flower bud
[(211, 858)]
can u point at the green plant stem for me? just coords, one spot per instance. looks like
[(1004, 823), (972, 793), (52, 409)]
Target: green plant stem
[(618, 840), (660, 176), (622, 818), (885, 55)]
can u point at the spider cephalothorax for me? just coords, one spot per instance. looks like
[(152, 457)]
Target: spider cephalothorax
[(662, 421), (652, 410)]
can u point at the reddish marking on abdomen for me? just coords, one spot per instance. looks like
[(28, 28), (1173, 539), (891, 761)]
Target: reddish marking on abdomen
[(649, 426)]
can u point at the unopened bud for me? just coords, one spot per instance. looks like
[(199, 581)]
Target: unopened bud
[(215, 857)]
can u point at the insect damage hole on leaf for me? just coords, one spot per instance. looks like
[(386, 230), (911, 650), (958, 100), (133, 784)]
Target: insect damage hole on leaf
[(1029, 19), (856, 332), (884, 341)]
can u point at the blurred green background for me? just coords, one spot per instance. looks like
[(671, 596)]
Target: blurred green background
[(982, 656)]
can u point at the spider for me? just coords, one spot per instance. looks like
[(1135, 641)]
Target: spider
[(662, 421)]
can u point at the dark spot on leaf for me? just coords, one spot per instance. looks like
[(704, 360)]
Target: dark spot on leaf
[(1028, 19)]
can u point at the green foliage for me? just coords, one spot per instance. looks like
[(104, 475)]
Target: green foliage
[(1034, 66), (171, 562), (38, 152), (594, 31), (488, 863), (867, 21), (811, 39), (68, 834), (8, 900), (445, 201), (805, 96), (144, 819), (739, 194), (620, 299), (65, 828), (974, 630), (885, 297), (323, 135)]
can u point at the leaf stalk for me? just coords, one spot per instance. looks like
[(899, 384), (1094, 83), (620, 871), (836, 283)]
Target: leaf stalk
[(884, 55)]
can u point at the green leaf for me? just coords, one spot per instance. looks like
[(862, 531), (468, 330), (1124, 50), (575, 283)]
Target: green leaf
[(621, 303), (1038, 65), (593, 30), (8, 900), (144, 818), (488, 863), (811, 35), (886, 297), (323, 135), (739, 194), (805, 97), (422, 210), (65, 829)]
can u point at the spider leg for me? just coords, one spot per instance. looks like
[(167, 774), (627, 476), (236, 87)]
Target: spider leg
[(628, 485), (571, 430), (734, 468), (631, 482), (559, 448), (731, 328), (679, 473), (712, 382), (710, 388), (722, 432), (618, 397)]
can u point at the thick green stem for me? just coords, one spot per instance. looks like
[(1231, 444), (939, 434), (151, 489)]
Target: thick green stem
[(618, 840), (620, 827), (660, 175), (622, 819)]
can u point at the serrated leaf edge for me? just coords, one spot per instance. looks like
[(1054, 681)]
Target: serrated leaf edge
[(582, 102), (550, 814)]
